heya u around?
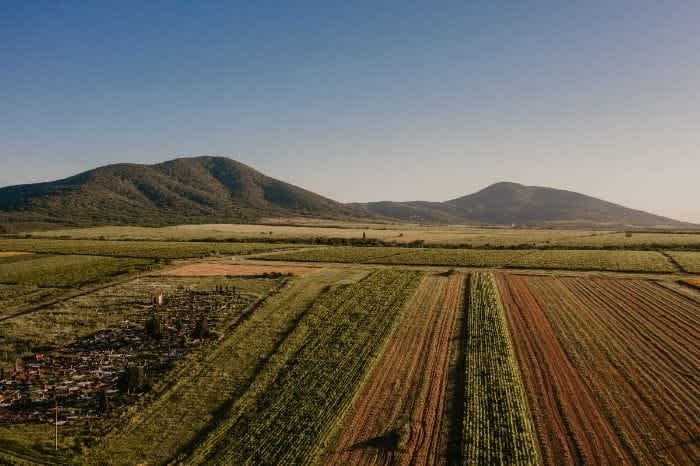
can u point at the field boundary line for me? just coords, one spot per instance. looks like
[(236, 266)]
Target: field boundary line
[(674, 262), (67, 297)]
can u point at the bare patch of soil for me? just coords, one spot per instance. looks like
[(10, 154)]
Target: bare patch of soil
[(241, 270)]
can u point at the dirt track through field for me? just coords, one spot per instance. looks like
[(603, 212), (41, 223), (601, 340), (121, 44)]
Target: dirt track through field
[(400, 416)]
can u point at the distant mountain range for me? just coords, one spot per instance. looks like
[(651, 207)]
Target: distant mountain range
[(221, 190)]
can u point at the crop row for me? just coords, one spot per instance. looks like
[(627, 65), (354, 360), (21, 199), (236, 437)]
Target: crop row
[(402, 406), (632, 261), (287, 416), (649, 355), (609, 368), (570, 425), (497, 427), (143, 249)]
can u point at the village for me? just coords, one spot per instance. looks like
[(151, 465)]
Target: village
[(104, 373)]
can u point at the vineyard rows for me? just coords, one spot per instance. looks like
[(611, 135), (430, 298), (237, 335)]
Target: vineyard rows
[(399, 416), (195, 393), (294, 410), (497, 426), (610, 367)]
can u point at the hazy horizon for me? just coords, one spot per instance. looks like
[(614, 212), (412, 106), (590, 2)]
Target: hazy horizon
[(363, 102)]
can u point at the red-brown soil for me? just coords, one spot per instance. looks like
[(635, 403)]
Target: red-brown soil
[(212, 269), (399, 417), (611, 367), (571, 428)]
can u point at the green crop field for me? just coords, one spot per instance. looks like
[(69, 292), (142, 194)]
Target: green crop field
[(13, 297), (399, 233), (497, 425), (630, 240), (84, 315), (36, 278), (209, 385), (136, 249), (66, 271), (620, 261), (87, 315), (452, 235), (290, 350), (285, 419)]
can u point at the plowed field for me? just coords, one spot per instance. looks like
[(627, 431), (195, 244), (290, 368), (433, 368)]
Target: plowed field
[(611, 368), (398, 417)]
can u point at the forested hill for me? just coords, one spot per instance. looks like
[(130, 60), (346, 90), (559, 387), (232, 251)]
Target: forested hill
[(185, 190)]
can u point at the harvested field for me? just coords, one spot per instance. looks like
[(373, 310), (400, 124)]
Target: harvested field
[(611, 368), (238, 270), (570, 426), (398, 417)]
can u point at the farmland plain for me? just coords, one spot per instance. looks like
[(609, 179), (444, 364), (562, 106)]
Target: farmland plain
[(304, 230), (291, 415), (507, 346), (207, 387), (113, 312), (618, 261), (34, 278), (135, 249)]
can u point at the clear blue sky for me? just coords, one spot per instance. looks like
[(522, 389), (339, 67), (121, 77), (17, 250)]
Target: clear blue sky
[(364, 100)]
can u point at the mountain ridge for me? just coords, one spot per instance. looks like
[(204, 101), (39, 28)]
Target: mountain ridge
[(183, 190), (208, 189), (509, 203)]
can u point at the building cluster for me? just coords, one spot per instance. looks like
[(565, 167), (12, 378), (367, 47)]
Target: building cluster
[(110, 369)]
